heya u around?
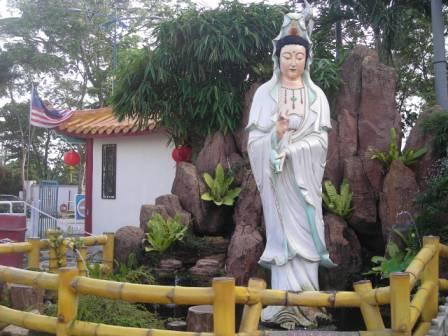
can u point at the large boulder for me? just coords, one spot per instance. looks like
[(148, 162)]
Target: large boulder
[(218, 149), (399, 190), (418, 139), (348, 100), (189, 187), (377, 115), (172, 206), (246, 245), (241, 134), (363, 218), (147, 211), (345, 251), (366, 111), (128, 239), (333, 169)]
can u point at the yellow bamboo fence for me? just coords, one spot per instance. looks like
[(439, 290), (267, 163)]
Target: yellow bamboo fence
[(412, 296)]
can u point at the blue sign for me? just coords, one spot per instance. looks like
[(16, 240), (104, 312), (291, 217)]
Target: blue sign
[(80, 209)]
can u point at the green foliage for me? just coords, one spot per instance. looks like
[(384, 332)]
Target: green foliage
[(193, 81), (437, 125), (219, 188), (163, 233), (340, 204), (433, 201), (397, 259), (113, 312), (325, 72), (124, 272), (408, 157)]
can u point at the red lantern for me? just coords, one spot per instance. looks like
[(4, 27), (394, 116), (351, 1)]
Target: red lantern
[(72, 158), (181, 153)]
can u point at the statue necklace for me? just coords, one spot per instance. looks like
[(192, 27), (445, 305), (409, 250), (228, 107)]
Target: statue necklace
[(292, 98)]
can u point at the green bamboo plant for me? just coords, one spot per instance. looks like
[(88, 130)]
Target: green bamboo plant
[(338, 203), (408, 156), (162, 233), (220, 192)]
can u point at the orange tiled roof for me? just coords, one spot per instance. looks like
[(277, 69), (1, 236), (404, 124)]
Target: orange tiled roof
[(101, 122)]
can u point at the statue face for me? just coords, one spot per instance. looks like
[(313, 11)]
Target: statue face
[(292, 61)]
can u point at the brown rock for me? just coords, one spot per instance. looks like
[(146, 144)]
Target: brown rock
[(206, 269), (23, 297), (377, 115), (217, 150), (399, 190), (241, 134), (363, 218), (349, 99), (246, 245), (345, 251), (172, 206), (147, 211), (200, 318), (189, 187), (248, 209), (333, 169), (418, 139), (128, 239), (170, 264), (245, 249), (168, 267), (366, 111)]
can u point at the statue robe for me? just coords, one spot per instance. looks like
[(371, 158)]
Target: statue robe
[(291, 198)]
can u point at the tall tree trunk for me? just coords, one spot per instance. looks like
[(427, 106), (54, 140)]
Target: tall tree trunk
[(439, 60)]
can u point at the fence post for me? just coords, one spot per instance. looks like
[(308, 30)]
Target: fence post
[(370, 313), (108, 252), (57, 253), (81, 258), (34, 254), (67, 300), (251, 313), (224, 306), (400, 301), (431, 273)]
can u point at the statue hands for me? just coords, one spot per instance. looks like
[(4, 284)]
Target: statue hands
[(282, 125)]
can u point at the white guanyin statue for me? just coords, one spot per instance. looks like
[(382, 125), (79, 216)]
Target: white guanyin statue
[(287, 147)]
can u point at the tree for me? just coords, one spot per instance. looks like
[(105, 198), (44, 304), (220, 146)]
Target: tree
[(194, 80), (65, 47)]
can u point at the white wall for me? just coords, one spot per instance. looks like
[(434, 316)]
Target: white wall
[(145, 170)]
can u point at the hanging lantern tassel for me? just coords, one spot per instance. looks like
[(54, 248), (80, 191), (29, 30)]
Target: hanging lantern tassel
[(71, 169)]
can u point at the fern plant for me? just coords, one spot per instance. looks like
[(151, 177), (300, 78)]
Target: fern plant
[(397, 259), (338, 203), (163, 233), (219, 188), (408, 157)]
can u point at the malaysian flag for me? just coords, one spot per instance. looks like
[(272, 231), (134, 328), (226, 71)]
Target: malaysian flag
[(45, 116)]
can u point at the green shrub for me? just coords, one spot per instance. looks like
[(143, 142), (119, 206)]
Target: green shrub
[(340, 204), (124, 272), (437, 124), (408, 157), (219, 188), (114, 312), (163, 233), (433, 202)]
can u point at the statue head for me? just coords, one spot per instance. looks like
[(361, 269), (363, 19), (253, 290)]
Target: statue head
[(296, 31), (292, 53)]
